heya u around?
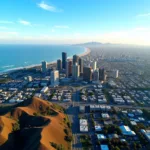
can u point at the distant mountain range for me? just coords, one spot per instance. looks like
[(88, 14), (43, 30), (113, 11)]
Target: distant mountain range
[(90, 44), (93, 44)]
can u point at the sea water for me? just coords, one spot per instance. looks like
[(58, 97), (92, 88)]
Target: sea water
[(18, 56)]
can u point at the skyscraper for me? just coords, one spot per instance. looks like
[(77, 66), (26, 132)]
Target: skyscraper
[(96, 75), (87, 74), (44, 66), (94, 65), (81, 66), (75, 59), (64, 59), (59, 64), (55, 78), (117, 74), (68, 68), (101, 74), (75, 71)]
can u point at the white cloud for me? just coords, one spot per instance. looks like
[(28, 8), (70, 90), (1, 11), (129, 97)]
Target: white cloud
[(144, 15), (47, 7), (6, 22), (62, 27), (24, 22)]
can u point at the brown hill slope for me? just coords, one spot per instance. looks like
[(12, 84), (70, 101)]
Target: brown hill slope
[(36, 125), (5, 128)]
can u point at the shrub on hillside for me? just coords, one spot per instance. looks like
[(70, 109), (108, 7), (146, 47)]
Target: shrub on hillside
[(57, 146), (68, 138), (15, 126)]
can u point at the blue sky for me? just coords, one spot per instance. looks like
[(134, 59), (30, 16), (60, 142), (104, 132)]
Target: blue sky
[(75, 21)]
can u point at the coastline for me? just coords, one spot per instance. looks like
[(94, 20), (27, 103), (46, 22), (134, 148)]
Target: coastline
[(86, 52)]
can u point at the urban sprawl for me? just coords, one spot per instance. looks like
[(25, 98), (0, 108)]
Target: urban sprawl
[(107, 99)]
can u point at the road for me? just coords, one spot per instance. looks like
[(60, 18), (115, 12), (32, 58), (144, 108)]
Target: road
[(73, 112), (75, 104)]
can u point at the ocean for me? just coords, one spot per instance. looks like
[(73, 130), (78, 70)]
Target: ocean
[(18, 56)]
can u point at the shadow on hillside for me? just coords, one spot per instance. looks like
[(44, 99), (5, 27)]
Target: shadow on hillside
[(6, 109), (26, 139), (33, 121)]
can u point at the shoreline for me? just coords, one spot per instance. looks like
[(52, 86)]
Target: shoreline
[(86, 52)]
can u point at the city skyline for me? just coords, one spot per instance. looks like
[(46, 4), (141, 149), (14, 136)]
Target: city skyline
[(63, 22)]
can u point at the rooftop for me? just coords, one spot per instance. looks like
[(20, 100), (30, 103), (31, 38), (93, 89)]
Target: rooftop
[(104, 147), (127, 131), (101, 136)]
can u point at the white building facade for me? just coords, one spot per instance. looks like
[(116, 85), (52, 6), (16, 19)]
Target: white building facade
[(55, 78), (75, 71)]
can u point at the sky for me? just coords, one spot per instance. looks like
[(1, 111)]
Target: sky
[(75, 21)]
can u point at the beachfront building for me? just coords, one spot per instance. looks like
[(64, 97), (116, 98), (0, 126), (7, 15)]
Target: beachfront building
[(44, 66), (59, 64), (55, 78), (64, 59)]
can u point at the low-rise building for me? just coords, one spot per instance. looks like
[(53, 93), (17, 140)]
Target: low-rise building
[(146, 133), (104, 147), (101, 137), (133, 123), (83, 125), (113, 136), (83, 128), (44, 89), (105, 116), (127, 131), (38, 95), (98, 127), (82, 109)]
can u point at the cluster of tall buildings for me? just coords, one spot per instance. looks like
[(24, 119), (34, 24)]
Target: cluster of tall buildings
[(75, 69), (94, 74)]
